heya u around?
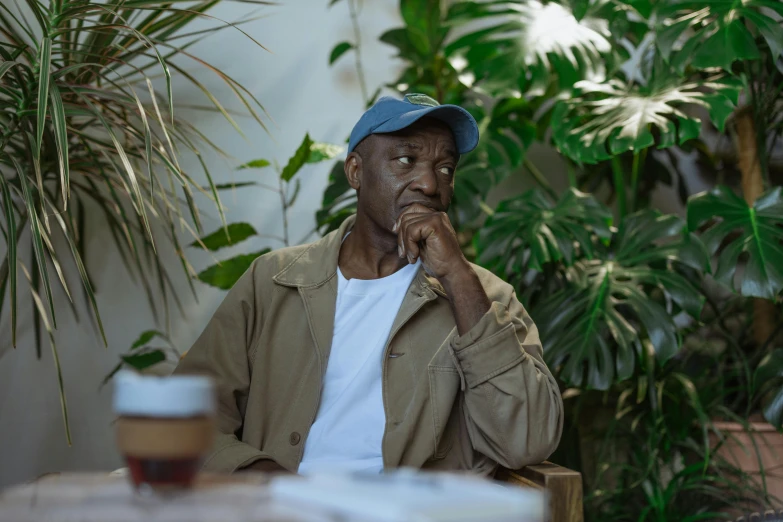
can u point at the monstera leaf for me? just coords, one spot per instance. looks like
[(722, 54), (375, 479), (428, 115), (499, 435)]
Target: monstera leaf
[(546, 40), (610, 118), (506, 133), (593, 329), (339, 201), (719, 215), (529, 231), (715, 33)]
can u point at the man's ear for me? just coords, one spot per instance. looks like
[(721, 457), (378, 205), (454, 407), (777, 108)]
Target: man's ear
[(353, 170)]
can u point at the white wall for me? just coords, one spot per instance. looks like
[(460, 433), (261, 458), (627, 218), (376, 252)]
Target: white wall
[(301, 93)]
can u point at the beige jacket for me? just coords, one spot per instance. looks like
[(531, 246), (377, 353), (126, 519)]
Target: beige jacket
[(451, 402)]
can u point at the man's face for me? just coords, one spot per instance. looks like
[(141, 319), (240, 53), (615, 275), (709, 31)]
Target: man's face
[(414, 165)]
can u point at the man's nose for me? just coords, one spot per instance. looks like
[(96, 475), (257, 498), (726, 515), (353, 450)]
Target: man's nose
[(426, 181)]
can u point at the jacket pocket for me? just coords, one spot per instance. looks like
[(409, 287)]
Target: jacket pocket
[(444, 389)]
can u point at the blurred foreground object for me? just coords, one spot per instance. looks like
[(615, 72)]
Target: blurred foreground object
[(250, 497)]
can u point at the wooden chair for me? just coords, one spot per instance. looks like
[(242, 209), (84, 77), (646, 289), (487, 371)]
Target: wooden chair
[(563, 485)]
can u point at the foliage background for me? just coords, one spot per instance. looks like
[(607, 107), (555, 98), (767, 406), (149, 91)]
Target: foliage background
[(615, 285)]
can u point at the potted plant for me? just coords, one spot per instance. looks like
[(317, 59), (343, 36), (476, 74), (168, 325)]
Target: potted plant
[(89, 133)]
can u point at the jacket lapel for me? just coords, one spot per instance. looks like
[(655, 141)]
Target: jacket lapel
[(313, 273), (320, 302)]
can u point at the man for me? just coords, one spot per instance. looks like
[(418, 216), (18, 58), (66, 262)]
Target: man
[(380, 345)]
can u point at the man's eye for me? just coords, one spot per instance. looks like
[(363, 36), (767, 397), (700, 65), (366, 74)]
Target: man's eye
[(447, 170), (405, 160)]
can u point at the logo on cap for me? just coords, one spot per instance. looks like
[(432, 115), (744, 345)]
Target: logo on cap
[(421, 99)]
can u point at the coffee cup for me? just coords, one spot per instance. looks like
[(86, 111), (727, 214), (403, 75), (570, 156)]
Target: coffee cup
[(165, 426)]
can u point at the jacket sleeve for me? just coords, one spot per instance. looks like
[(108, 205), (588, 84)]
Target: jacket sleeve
[(221, 352), (512, 404)]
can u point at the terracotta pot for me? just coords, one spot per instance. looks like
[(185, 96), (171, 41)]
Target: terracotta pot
[(738, 449)]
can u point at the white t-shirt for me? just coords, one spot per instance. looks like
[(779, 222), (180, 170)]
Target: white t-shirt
[(347, 433)]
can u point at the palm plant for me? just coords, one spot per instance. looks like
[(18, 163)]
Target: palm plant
[(88, 133)]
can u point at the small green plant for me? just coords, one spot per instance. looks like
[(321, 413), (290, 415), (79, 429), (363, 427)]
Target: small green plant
[(227, 272)]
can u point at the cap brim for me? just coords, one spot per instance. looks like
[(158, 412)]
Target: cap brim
[(461, 123)]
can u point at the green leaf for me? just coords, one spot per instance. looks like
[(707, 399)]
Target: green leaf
[(35, 230), (719, 35), (339, 201), (339, 50), (544, 39), (255, 164), (232, 186), (768, 378), (146, 337), (528, 231), (109, 375), (233, 234), (773, 410), (298, 160), (44, 74), (68, 234), (595, 326), (142, 361), (39, 306), (401, 39), (610, 118), (323, 151), (10, 220), (61, 139), (5, 67), (718, 215), (423, 22), (228, 272)]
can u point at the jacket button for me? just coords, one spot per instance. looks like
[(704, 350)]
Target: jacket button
[(294, 438)]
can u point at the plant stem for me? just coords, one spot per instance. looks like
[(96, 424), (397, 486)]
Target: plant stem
[(619, 185), (284, 203), (638, 158), (357, 35), (538, 176), (571, 175)]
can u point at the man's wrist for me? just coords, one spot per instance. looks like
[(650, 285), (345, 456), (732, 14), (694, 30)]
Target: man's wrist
[(461, 279)]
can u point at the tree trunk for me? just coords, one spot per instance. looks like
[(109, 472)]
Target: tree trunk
[(764, 311)]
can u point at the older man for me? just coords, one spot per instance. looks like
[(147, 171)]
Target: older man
[(380, 345)]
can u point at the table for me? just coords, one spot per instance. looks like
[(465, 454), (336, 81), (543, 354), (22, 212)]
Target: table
[(98, 497)]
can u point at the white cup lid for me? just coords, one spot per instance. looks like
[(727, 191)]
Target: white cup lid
[(152, 396)]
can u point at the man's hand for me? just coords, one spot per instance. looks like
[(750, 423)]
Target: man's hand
[(426, 234)]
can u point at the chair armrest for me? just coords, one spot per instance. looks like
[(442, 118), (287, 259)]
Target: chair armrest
[(563, 485)]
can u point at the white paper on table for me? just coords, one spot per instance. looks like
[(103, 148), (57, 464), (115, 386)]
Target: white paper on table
[(412, 496)]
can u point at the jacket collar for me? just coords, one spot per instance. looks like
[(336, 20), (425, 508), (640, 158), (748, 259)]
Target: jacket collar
[(317, 264)]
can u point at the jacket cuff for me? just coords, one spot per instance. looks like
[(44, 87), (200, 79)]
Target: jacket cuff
[(490, 348), (233, 457)]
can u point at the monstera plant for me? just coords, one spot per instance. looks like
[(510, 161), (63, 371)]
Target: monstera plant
[(623, 90), (89, 134)]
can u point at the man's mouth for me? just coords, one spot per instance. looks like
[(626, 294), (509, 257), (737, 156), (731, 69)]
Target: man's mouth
[(421, 203)]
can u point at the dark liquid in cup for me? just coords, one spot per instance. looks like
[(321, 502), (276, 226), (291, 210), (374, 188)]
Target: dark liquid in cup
[(163, 473), (164, 453)]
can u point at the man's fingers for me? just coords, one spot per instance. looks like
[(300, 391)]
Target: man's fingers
[(412, 230), (414, 210)]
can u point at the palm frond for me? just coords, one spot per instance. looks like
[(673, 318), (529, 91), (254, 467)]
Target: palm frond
[(82, 119)]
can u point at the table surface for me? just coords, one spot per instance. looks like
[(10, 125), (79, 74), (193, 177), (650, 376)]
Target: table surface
[(98, 497)]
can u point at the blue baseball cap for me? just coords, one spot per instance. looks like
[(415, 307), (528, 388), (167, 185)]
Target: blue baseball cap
[(390, 115)]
